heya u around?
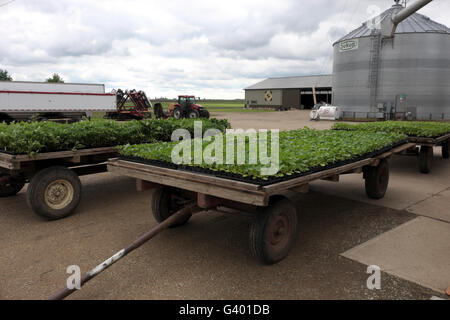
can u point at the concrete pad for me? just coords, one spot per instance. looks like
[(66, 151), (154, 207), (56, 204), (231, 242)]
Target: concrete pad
[(436, 207), (418, 251), (407, 187)]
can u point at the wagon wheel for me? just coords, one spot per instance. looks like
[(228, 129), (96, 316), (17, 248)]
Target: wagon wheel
[(446, 149), (54, 193), (273, 232), (164, 204), (425, 159), (10, 186), (377, 180)]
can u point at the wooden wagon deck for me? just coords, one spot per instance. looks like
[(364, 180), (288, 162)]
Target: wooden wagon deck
[(429, 141), (242, 192), (14, 162)]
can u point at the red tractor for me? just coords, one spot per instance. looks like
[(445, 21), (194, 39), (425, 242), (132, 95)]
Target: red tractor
[(188, 108)]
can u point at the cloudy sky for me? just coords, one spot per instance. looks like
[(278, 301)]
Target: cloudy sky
[(212, 49)]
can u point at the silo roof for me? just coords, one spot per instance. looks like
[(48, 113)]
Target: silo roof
[(416, 23), (320, 81)]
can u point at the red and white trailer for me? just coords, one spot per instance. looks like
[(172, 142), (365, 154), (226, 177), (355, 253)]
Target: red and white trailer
[(25, 100)]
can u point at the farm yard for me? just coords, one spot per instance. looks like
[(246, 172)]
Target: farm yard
[(215, 160), (209, 258)]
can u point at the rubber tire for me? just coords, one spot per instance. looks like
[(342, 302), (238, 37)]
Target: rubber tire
[(260, 233), (446, 149), (206, 114), (377, 180), (36, 192), (160, 206), (178, 113), (425, 159), (14, 187), (193, 114), (158, 111)]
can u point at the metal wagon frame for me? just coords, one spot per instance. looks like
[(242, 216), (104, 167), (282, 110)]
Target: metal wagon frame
[(424, 149), (274, 216)]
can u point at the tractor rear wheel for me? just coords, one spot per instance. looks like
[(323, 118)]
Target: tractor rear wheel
[(177, 113)]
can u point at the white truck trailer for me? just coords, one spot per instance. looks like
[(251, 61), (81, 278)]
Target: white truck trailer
[(25, 100)]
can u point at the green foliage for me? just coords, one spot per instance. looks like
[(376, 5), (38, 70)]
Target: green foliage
[(299, 151), (36, 137), (410, 128), (4, 75), (56, 78)]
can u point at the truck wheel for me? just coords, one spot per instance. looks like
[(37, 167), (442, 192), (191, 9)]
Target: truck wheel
[(163, 205), (446, 149), (425, 159), (177, 113), (273, 232), (54, 193), (193, 114), (377, 180), (10, 186)]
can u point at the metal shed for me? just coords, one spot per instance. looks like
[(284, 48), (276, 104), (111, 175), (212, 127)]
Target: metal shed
[(289, 92)]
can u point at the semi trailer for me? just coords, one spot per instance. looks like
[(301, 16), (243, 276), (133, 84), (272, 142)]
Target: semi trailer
[(50, 101), (69, 102)]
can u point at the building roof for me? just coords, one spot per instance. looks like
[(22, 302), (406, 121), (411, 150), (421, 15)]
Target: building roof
[(320, 81), (416, 23)]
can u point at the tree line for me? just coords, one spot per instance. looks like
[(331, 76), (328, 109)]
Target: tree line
[(55, 78)]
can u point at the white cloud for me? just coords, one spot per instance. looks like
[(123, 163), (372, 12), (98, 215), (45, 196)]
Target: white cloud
[(207, 48)]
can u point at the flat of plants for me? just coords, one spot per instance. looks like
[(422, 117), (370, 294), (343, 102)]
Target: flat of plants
[(419, 129), (301, 152), (39, 137)]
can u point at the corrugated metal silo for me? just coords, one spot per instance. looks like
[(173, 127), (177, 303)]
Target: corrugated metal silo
[(407, 75)]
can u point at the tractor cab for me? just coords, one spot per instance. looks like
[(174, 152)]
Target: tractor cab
[(186, 100)]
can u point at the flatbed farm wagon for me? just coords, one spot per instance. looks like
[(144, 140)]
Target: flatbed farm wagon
[(424, 148), (54, 190), (274, 225)]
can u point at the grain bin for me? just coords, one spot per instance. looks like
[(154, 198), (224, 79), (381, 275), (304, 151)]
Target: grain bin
[(398, 68)]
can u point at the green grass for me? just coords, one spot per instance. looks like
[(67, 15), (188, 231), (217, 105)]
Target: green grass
[(216, 106), (220, 106)]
